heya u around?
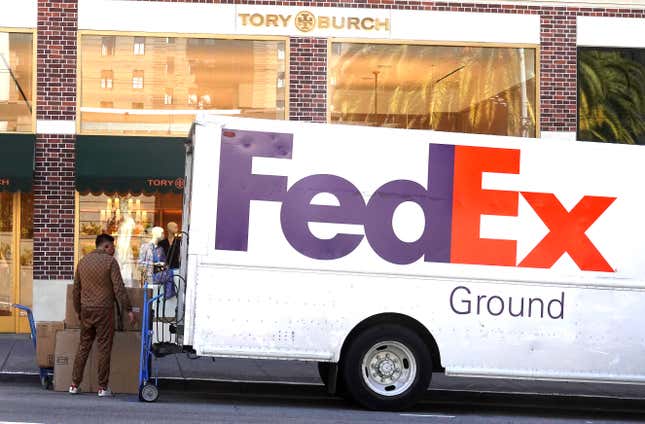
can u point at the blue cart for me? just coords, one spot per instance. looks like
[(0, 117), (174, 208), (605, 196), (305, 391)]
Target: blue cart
[(46, 374), (148, 389)]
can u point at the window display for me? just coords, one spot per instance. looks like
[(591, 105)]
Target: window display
[(157, 85), (130, 219), (475, 89)]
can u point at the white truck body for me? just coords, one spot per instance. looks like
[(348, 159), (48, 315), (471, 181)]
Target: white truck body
[(530, 263)]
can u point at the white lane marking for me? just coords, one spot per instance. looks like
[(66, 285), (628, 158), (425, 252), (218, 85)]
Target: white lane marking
[(12, 422), (427, 416)]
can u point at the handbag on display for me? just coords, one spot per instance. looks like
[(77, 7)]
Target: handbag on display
[(161, 275)]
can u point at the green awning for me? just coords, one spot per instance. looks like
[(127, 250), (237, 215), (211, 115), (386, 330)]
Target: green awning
[(116, 164), (17, 166)]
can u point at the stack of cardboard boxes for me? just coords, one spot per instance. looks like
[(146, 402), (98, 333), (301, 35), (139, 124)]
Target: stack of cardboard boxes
[(58, 342)]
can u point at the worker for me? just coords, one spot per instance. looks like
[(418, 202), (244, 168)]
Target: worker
[(97, 284)]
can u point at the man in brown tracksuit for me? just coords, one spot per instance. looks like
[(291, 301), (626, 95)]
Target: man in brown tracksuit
[(97, 284)]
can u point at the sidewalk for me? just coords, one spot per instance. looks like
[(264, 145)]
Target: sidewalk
[(17, 356)]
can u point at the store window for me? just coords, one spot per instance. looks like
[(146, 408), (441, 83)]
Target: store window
[(16, 228), (234, 77), (130, 219), (127, 186), (611, 95), (475, 89), (16, 82)]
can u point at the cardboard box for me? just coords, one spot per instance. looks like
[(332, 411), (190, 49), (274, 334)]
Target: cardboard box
[(46, 342), (124, 363), (66, 347), (135, 295), (71, 318)]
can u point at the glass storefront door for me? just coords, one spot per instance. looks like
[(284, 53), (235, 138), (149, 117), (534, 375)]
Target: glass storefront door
[(16, 259)]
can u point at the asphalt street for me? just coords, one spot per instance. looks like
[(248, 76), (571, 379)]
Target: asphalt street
[(22, 401)]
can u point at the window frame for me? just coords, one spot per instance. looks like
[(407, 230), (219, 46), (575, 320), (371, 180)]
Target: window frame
[(536, 47), (34, 73), (174, 35)]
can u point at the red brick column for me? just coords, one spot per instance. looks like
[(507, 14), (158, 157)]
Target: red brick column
[(308, 80), (558, 75), (54, 175)]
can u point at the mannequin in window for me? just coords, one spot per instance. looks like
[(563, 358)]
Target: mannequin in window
[(152, 260), (151, 255), (172, 245), (124, 250)]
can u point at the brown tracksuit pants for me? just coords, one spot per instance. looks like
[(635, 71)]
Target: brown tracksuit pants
[(96, 323)]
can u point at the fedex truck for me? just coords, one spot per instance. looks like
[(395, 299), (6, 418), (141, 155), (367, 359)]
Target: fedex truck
[(385, 255)]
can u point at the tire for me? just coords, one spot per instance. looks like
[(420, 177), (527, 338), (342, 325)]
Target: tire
[(148, 393), (387, 367)]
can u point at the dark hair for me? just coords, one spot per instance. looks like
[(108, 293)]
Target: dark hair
[(103, 238)]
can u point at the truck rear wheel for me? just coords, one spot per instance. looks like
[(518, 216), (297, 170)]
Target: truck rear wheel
[(387, 367)]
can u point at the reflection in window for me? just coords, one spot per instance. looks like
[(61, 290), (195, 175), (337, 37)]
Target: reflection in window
[(106, 79), (137, 79), (182, 76), (6, 253), (484, 90), (611, 95), (170, 65), (26, 248), (16, 74), (139, 46), (167, 99), (107, 46)]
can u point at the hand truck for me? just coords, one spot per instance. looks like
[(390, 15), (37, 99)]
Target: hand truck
[(46, 374), (148, 390)]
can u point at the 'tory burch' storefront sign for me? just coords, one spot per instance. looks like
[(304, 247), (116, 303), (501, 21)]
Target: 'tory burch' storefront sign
[(315, 22)]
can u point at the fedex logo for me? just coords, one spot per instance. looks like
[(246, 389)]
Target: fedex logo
[(452, 201)]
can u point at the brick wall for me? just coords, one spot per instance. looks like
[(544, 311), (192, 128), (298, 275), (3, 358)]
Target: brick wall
[(56, 51), (558, 70), (54, 207), (308, 79), (54, 175)]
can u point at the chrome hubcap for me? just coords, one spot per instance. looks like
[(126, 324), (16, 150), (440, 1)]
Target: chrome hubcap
[(389, 368)]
